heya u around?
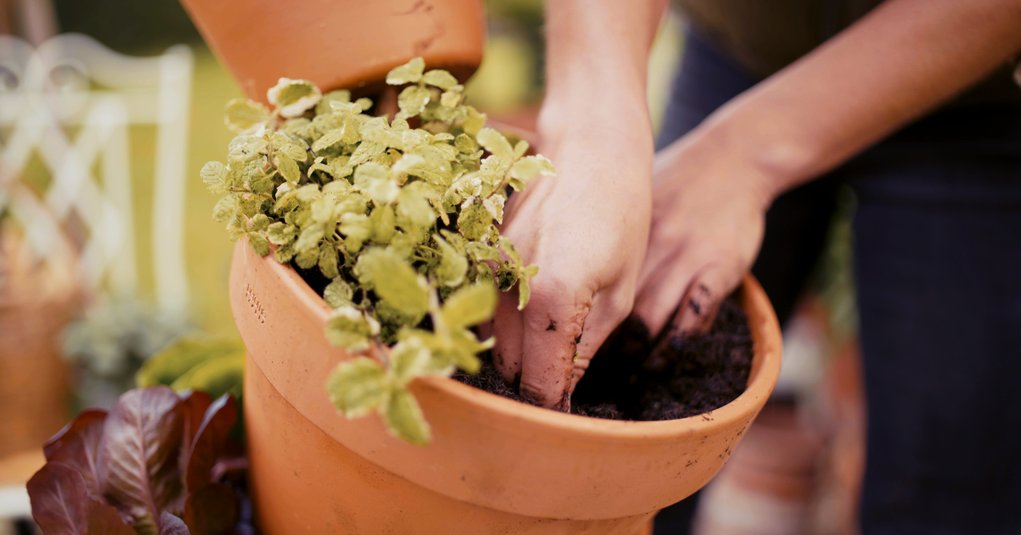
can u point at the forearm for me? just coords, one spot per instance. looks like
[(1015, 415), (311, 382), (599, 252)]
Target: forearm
[(597, 61), (899, 62)]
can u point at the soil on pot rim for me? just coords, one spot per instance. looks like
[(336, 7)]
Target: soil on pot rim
[(627, 380)]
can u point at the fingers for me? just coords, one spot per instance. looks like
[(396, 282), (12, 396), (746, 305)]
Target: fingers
[(662, 289), (702, 299), (507, 328), (553, 324), (609, 308), (687, 289)]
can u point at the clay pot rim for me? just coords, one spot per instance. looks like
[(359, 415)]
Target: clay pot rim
[(762, 377)]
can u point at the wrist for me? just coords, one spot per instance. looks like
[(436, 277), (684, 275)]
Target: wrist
[(769, 152), (619, 116)]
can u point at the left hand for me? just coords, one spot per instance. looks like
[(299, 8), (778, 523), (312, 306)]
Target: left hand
[(707, 225)]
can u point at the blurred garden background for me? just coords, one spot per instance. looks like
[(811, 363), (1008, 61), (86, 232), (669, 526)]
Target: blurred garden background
[(78, 339)]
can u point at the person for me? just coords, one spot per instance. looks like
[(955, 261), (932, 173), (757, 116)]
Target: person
[(775, 104)]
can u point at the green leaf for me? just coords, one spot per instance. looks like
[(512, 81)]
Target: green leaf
[(288, 168), (375, 181), (182, 355), (408, 73), (474, 221), (328, 140), (474, 121), (453, 264), (495, 143), (394, 280), (356, 229), (259, 243), (524, 285), (384, 224), (215, 376), (306, 258), (242, 114), (452, 98), (413, 207), (280, 233), (358, 387), (214, 175), (528, 168), (440, 78), (328, 258), (404, 418), (409, 359), (339, 95), (259, 222), (338, 293), (413, 99), (351, 328), (470, 305), (309, 238), (293, 97)]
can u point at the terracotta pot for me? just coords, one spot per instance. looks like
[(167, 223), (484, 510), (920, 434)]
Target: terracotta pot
[(494, 465), (338, 43)]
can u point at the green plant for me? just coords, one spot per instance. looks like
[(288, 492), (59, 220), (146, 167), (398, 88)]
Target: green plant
[(400, 215), (197, 363)]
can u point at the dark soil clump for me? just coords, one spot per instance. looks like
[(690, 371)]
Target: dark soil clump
[(628, 380)]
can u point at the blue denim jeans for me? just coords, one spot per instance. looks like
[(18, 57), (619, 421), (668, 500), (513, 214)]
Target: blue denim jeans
[(937, 262)]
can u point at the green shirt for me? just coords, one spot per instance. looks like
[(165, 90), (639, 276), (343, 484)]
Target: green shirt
[(764, 36)]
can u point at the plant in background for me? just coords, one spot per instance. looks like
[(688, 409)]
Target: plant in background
[(197, 362), (158, 463), (399, 215), (110, 342)]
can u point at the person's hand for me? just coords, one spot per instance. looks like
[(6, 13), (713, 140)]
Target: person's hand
[(707, 225), (587, 229)]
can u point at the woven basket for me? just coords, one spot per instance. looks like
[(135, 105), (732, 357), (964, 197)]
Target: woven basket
[(38, 296)]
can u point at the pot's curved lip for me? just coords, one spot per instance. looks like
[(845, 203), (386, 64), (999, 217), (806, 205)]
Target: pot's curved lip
[(762, 377)]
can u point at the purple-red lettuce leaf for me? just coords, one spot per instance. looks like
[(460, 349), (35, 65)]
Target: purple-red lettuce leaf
[(193, 411), (61, 504), (195, 405), (77, 446), (210, 442), (107, 520), (212, 510), (139, 460)]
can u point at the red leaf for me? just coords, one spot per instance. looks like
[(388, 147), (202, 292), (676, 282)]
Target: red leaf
[(209, 441), (77, 446), (138, 461), (213, 510), (59, 499), (195, 405), (85, 419), (105, 519)]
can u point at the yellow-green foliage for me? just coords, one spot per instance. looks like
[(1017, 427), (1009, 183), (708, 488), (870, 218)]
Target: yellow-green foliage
[(403, 220), (210, 365)]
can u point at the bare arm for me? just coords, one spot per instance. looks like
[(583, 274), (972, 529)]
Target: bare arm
[(897, 63), (712, 186)]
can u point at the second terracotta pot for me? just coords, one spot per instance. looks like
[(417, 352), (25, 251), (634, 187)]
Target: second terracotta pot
[(494, 465), (338, 43)]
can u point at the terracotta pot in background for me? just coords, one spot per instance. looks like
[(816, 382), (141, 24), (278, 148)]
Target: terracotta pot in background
[(338, 43), (494, 465)]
